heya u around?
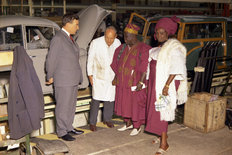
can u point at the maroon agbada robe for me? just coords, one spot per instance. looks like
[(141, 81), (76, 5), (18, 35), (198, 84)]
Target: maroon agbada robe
[(153, 123), (128, 70)]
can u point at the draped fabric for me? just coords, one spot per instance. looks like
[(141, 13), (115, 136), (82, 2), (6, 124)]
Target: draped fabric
[(171, 60)]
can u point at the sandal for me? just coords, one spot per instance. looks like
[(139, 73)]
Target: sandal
[(161, 151)]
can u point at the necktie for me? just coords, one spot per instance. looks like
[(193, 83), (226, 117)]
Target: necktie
[(71, 38)]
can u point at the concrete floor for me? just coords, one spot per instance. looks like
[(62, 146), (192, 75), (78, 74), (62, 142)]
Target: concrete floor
[(182, 141)]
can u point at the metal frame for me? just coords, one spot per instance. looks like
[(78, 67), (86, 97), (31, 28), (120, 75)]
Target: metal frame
[(115, 6)]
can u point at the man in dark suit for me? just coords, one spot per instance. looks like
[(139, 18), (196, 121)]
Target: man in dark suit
[(63, 69)]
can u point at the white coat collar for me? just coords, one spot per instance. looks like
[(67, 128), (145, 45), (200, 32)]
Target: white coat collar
[(66, 32)]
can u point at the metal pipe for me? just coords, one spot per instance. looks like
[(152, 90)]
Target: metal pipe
[(30, 3), (21, 6), (64, 6), (52, 5), (205, 1), (41, 4), (110, 7), (2, 6)]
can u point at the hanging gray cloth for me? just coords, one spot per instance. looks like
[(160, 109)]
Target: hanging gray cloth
[(25, 102)]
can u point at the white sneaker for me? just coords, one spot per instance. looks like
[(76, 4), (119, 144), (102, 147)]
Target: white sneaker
[(124, 128), (134, 132)]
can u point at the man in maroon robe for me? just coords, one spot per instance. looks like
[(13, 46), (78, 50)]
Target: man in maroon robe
[(129, 64)]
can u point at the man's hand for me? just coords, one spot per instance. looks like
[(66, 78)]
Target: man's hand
[(91, 79), (114, 80), (139, 86), (50, 81)]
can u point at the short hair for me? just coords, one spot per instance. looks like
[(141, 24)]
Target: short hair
[(111, 28), (67, 18)]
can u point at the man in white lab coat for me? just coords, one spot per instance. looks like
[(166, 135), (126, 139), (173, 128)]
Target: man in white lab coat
[(101, 75)]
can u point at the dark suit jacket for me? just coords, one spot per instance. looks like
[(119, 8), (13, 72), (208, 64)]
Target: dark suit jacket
[(25, 102), (62, 62)]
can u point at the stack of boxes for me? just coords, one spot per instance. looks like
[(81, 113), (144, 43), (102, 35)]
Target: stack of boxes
[(4, 93)]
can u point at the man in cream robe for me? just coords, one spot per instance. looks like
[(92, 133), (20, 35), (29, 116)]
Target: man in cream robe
[(101, 75)]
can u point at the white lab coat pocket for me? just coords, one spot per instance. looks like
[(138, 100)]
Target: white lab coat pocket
[(100, 71)]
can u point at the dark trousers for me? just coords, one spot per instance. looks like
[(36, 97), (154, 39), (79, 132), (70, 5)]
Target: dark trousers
[(107, 111), (66, 98)]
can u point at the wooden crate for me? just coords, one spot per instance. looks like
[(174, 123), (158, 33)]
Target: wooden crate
[(204, 115)]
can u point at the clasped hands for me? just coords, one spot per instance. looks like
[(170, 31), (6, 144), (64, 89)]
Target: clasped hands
[(138, 86)]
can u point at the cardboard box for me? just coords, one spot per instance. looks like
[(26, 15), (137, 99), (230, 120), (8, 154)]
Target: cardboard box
[(3, 131), (2, 91), (205, 112), (3, 110)]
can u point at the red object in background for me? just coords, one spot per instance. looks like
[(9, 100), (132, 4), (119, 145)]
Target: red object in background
[(226, 10)]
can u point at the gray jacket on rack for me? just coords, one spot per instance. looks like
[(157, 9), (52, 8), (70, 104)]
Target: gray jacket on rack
[(25, 102)]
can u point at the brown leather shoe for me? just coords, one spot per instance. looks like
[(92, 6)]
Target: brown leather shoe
[(92, 127), (109, 124)]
